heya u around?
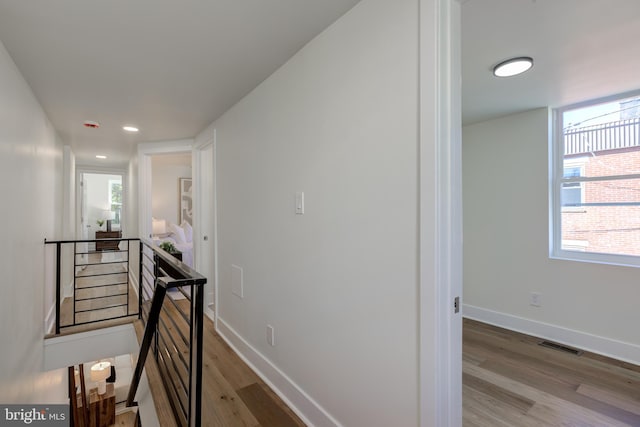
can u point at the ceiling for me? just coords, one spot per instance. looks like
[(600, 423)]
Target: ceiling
[(171, 68), (168, 67), (582, 50)]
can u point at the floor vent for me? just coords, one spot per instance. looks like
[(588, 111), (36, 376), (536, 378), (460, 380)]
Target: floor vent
[(560, 347)]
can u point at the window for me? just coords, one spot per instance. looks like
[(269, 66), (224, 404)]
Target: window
[(115, 198), (595, 185), (571, 193)]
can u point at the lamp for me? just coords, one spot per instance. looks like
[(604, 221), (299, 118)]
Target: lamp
[(109, 215), (513, 66), (99, 374), (159, 226)]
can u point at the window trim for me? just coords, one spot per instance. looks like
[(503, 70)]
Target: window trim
[(556, 174)]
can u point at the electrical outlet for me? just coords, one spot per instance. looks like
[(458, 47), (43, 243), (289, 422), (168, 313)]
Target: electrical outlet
[(271, 338), (536, 299)]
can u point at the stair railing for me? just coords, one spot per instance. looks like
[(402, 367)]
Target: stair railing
[(98, 278), (172, 302)]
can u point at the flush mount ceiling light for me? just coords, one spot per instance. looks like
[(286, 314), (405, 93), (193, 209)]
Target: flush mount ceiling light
[(130, 128), (513, 66), (100, 156)]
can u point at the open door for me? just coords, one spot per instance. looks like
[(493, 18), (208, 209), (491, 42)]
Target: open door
[(205, 256)]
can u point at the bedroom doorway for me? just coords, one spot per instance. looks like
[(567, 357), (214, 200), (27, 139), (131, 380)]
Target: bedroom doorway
[(100, 204), (172, 202), (204, 209)]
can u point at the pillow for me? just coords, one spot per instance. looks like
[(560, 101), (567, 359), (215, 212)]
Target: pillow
[(178, 233), (188, 231)]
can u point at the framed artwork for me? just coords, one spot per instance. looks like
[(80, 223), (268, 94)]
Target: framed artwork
[(186, 200)]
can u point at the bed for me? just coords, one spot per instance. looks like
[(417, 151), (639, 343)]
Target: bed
[(180, 235)]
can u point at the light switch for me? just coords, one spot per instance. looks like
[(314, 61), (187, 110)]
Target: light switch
[(299, 202)]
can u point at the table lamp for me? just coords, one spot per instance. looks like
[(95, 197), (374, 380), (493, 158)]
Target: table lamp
[(99, 374), (109, 215)]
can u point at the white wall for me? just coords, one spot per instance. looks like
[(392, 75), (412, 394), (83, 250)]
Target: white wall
[(31, 176), (69, 194), (130, 226), (506, 223), (339, 283), (166, 169)]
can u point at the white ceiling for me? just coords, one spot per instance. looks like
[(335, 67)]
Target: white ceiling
[(582, 49), (172, 67), (169, 67)]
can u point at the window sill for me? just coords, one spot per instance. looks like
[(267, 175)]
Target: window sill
[(574, 210), (593, 258)]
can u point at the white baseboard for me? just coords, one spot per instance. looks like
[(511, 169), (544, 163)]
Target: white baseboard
[(67, 290), (210, 314), (133, 281), (311, 413), (50, 320), (596, 344)]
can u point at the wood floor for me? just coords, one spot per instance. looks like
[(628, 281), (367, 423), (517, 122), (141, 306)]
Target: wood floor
[(232, 394), (509, 380), (101, 293)]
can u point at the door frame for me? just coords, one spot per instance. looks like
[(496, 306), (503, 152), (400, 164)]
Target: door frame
[(440, 214), (145, 152), (80, 170), (199, 188)]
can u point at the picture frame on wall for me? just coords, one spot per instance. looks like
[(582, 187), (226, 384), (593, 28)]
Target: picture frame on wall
[(186, 200)]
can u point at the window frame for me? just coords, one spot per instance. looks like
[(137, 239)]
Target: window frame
[(556, 179)]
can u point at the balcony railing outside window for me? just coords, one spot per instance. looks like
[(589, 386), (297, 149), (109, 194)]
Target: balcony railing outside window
[(616, 135)]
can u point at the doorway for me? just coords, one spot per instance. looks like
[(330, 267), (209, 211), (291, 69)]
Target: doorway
[(203, 191), (100, 203)]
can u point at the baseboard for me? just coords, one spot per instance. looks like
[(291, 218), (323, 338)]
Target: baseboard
[(596, 344), (311, 413), (50, 320), (133, 281), (67, 291)]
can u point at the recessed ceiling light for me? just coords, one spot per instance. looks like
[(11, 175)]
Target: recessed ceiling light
[(91, 124), (130, 128), (513, 66), (100, 156)]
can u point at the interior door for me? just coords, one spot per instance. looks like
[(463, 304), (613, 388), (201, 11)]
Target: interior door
[(206, 257), (84, 225)]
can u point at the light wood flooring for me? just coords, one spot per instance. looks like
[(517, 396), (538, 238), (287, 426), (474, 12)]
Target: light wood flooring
[(509, 380), (232, 394), (101, 293)]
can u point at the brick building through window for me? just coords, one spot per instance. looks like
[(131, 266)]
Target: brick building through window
[(600, 187)]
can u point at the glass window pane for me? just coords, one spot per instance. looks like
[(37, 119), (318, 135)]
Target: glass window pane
[(571, 195), (608, 221), (606, 135), (572, 171)]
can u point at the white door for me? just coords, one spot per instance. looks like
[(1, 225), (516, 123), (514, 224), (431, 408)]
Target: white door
[(84, 226), (206, 257)]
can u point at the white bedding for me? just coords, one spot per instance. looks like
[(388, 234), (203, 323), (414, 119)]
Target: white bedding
[(180, 235)]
